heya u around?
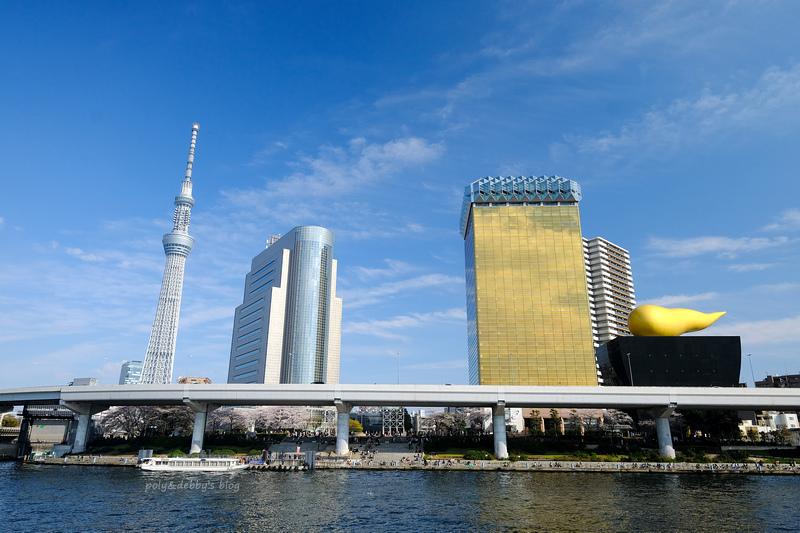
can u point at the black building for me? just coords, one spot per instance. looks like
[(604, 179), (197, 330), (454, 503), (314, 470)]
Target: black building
[(671, 361)]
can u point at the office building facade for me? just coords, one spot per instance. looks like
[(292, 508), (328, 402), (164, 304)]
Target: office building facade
[(610, 284), (528, 315), (288, 327), (130, 373)]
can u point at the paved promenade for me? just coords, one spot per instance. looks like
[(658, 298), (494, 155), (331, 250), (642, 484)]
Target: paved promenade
[(568, 466), (392, 461), (395, 461)]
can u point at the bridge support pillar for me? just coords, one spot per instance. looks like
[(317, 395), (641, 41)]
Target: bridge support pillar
[(23, 443), (342, 427), (85, 411), (499, 428), (201, 410), (665, 448)]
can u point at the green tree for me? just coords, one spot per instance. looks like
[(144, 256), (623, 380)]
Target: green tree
[(535, 422), (753, 435), (355, 426), (781, 435), (722, 424), (555, 423), (408, 425), (694, 422), (10, 422)]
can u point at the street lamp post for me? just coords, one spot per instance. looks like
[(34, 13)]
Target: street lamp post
[(751, 369)]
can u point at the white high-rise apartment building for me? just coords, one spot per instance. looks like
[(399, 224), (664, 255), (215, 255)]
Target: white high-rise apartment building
[(289, 326), (178, 243), (610, 285)]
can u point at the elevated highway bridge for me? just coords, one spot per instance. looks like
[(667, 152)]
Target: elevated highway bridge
[(660, 401)]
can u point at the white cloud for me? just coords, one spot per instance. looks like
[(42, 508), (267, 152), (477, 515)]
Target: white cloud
[(395, 268), (206, 314), (518, 54), (330, 189), (336, 171), (749, 267), (780, 287), (389, 329), (772, 102), (723, 246), (361, 296), (439, 365), (83, 256), (782, 330), (262, 157), (787, 221), (679, 299)]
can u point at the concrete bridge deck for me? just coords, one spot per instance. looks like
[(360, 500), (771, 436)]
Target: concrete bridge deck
[(661, 401), (413, 396)]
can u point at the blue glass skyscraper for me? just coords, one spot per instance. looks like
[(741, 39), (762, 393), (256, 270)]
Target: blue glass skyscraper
[(288, 328), (130, 373)]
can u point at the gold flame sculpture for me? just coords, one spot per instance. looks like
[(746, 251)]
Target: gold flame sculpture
[(655, 321)]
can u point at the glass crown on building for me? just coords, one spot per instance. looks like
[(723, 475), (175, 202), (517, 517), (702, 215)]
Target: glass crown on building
[(517, 190)]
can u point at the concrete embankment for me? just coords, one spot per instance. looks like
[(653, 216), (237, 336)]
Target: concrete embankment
[(87, 460), (561, 466), (391, 456)]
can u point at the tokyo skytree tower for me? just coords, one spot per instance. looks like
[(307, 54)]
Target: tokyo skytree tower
[(158, 362)]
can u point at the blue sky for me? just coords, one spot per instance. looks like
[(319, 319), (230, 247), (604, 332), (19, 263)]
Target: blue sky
[(680, 122)]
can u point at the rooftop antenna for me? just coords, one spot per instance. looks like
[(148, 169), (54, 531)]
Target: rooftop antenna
[(190, 162)]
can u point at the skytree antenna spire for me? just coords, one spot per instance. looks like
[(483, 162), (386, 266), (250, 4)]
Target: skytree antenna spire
[(158, 362)]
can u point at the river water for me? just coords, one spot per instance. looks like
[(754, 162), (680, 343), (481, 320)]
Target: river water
[(72, 498)]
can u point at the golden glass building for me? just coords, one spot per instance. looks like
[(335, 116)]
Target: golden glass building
[(528, 316)]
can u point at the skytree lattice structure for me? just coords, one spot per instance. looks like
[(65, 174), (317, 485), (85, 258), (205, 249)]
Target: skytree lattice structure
[(178, 243)]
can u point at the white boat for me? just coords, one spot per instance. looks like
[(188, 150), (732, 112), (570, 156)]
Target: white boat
[(191, 464)]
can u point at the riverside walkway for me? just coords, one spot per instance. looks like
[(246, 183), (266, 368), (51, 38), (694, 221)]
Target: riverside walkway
[(394, 461)]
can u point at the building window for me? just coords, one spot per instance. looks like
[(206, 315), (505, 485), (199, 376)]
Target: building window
[(262, 277), (246, 335), (264, 286), (245, 309), (243, 346), (262, 269), (248, 354), (253, 323), (245, 365)]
